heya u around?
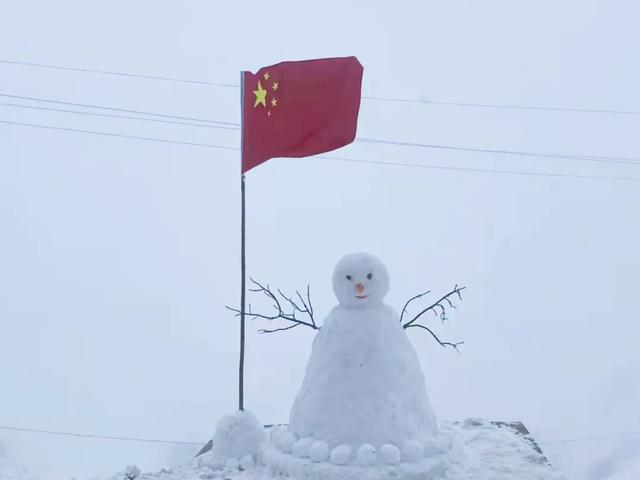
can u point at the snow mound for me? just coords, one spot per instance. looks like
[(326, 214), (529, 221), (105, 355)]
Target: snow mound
[(238, 435), (479, 451), (9, 470)]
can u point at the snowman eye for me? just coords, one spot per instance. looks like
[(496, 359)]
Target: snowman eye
[(369, 276), (348, 277)]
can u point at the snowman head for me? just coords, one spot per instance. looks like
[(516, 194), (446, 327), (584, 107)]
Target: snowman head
[(360, 280)]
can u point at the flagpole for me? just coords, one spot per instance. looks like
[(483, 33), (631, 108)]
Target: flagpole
[(243, 264)]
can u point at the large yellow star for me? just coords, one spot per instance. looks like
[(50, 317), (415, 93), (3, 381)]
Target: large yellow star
[(261, 96)]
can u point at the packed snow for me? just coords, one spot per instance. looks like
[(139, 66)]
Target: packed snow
[(319, 451), (10, 470), (363, 382), (480, 451), (238, 436), (341, 455)]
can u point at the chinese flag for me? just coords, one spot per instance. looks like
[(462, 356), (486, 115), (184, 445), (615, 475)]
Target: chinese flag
[(297, 109)]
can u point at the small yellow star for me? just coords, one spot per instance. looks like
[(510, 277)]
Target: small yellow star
[(261, 96), (274, 102), (267, 76), (269, 113), (275, 86)]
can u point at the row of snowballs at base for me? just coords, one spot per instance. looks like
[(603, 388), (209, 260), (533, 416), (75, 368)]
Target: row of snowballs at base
[(366, 455)]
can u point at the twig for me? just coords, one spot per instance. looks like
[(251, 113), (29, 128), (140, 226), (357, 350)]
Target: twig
[(304, 308), (439, 309), (404, 310), (437, 305), (265, 330), (442, 344)]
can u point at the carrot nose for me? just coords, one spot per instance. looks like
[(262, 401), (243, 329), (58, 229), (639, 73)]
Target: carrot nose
[(359, 288)]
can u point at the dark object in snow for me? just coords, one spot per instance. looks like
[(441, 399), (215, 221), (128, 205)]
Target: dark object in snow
[(131, 472)]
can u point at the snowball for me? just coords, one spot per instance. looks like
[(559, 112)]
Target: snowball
[(413, 451), (389, 454), (287, 441), (430, 447), (247, 462), (366, 455), (319, 451), (237, 435), (341, 454), (232, 464), (283, 438), (301, 447)]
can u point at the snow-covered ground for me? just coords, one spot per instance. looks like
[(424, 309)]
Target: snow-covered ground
[(622, 463), (480, 451), (10, 470)]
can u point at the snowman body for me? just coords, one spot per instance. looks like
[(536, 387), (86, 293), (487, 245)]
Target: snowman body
[(363, 382)]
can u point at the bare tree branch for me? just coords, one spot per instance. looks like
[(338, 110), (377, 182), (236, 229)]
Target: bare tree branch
[(439, 309), (404, 310), (266, 330), (304, 307), (442, 344), (442, 314)]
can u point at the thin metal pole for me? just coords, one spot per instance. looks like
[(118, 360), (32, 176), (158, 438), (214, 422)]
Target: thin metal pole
[(243, 264)]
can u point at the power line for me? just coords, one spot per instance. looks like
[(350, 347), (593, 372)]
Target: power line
[(365, 97), (482, 170), (120, 74), (351, 160), (91, 435), (589, 439), (109, 115), (589, 158), (505, 106), (120, 135), (126, 110), (236, 126)]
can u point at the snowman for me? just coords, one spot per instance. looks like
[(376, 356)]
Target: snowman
[(363, 389)]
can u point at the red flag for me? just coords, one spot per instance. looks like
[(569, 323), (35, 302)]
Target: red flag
[(297, 109)]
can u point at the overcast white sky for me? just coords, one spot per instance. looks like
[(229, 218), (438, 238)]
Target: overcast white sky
[(117, 256)]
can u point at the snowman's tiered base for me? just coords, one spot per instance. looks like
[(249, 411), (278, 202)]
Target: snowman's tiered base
[(307, 458)]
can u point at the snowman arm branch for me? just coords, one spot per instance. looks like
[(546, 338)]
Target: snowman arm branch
[(438, 305), (278, 316), (292, 302), (404, 310), (266, 330), (308, 307), (442, 344), (304, 308)]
